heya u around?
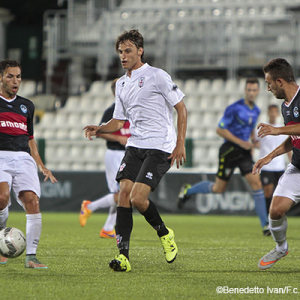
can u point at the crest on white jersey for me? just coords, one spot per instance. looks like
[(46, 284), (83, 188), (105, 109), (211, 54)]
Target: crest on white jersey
[(141, 81)]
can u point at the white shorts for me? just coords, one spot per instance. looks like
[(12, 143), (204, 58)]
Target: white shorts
[(289, 184), (19, 170), (113, 160)]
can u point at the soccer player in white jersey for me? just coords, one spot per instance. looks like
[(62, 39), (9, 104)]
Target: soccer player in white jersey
[(19, 159), (145, 96), (115, 143), (271, 172), (280, 79)]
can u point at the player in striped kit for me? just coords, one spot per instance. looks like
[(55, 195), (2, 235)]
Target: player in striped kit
[(19, 159), (280, 79)]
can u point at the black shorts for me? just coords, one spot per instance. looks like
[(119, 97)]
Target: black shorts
[(144, 165), (232, 156), (270, 177)]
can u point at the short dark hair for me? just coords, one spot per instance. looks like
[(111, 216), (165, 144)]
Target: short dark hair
[(273, 106), (133, 36), (279, 68), (4, 64), (252, 80)]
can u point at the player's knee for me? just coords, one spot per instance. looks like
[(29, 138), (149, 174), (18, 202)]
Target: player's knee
[(31, 202), (135, 199), (256, 185), (124, 197), (276, 212), (4, 198), (218, 189)]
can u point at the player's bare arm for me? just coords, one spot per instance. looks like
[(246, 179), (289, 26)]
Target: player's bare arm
[(36, 156), (179, 153), (265, 129), (109, 127), (285, 147), (226, 134)]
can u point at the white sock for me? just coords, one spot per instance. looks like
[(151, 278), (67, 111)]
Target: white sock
[(278, 230), (111, 219), (103, 202), (3, 217), (33, 232)]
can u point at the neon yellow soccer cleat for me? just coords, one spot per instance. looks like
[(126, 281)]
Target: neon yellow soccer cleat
[(169, 246), (120, 264)]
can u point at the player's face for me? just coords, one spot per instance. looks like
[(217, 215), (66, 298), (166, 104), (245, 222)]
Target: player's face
[(275, 87), (10, 82), (130, 55), (251, 92)]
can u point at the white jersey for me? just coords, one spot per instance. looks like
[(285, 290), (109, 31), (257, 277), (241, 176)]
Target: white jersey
[(267, 145), (146, 100)]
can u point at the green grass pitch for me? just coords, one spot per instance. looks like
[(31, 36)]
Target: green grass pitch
[(213, 251)]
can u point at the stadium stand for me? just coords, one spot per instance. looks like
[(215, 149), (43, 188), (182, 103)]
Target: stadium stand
[(180, 36)]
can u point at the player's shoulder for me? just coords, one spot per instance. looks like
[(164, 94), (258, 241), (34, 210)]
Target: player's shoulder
[(25, 101), (157, 71), (120, 81), (236, 104)]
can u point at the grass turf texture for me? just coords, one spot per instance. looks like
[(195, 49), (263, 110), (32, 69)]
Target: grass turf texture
[(213, 251)]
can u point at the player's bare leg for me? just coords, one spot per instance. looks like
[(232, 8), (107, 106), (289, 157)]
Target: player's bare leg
[(268, 191), (202, 187), (259, 200), (278, 227), (139, 199), (33, 228), (4, 198)]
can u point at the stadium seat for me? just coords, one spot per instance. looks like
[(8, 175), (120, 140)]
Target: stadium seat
[(72, 104), (62, 134), (190, 87), (203, 87), (75, 166), (96, 88), (217, 86), (49, 133)]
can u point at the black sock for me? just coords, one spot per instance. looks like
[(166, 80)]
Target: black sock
[(153, 218), (268, 203), (123, 228)]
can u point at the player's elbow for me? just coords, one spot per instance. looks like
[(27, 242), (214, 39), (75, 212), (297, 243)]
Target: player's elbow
[(219, 131)]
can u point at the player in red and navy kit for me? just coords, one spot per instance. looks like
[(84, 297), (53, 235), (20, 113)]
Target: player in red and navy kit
[(281, 82), (115, 143), (19, 159)]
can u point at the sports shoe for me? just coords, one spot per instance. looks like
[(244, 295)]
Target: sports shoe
[(3, 260), (107, 234), (32, 262), (85, 213), (120, 264), (266, 231), (182, 196), (271, 258), (169, 246)]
